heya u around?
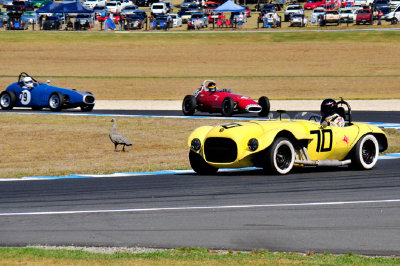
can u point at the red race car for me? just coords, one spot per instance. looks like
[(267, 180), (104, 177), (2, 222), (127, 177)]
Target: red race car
[(208, 98)]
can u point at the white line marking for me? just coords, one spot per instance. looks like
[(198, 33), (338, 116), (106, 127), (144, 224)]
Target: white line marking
[(204, 207)]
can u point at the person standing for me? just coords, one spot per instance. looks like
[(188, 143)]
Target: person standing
[(240, 19)]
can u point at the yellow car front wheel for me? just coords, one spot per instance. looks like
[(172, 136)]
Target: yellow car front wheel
[(199, 165)]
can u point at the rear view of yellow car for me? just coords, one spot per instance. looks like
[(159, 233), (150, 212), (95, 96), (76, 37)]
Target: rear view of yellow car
[(278, 146)]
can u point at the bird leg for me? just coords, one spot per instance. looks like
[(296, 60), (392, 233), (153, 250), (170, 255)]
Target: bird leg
[(123, 148), (115, 147)]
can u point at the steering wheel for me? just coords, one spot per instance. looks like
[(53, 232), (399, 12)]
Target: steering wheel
[(344, 110)]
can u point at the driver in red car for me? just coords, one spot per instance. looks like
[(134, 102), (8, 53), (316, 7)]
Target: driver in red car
[(329, 114)]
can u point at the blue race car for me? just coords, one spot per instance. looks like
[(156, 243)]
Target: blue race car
[(28, 92)]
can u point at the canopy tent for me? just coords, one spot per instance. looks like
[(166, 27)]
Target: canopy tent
[(70, 8), (229, 6)]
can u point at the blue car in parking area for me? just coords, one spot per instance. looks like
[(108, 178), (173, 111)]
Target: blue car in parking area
[(28, 92)]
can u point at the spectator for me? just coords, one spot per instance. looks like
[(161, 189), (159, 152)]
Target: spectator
[(265, 19), (380, 14), (240, 19), (276, 19)]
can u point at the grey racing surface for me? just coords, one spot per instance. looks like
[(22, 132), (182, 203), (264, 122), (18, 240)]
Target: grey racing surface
[(337, 210)]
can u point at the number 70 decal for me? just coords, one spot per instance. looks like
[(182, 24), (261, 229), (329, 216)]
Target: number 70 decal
[(322, 136)]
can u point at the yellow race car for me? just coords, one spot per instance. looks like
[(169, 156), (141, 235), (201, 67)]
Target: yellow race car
[(279, 145)]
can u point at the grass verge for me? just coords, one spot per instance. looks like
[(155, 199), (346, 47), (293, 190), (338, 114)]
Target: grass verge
[(37, 145), (182, 256), (284, 65)]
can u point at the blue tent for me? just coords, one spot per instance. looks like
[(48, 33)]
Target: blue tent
[(49, 8), (229, 6), (109, 24), (70, 8)]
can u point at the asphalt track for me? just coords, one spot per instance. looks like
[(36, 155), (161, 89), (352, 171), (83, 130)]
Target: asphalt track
[(336, 210), (331, 210)]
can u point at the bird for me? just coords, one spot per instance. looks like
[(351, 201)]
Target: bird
[(117, 138)]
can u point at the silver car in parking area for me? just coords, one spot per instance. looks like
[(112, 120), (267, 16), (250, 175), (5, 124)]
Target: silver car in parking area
[(197, 21), (176, 20), (29, 17)]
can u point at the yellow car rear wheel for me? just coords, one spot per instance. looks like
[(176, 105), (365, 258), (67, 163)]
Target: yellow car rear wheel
[(280, 157)]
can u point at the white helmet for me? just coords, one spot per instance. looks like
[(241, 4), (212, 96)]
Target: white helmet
[(28, 82)]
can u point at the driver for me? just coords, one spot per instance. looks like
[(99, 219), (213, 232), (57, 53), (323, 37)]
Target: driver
[(211, 86), (329, 114), (27, 83)]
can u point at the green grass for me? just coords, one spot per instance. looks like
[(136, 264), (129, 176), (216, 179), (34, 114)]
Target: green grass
[(184, 256)]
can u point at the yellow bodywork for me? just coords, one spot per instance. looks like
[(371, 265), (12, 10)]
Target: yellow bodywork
[(332, 143)]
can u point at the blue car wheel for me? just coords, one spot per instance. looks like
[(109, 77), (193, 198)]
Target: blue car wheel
[(56, 101), (7, 100)]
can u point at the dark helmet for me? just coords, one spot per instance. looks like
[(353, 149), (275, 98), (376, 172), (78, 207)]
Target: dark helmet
[(211, 86), (328, 107)]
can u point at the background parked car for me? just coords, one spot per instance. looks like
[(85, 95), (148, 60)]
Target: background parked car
[(347, 15), (312, 4), (186, 13), (364, 16), (293, 9), (3, 18), (29, 17), (98, 9), (298, 20), (7, 3), (129, 10), (162, 22), (114, 6), (393, 16), (160, 8), (20, 5), (52, 23), (187, 3), (176, 20), (332, 16), (235, 17), (135, 20), (145, 2), (247, 11), (382, 5), (125, 3), (84, 22), (90, 4), (198, 21), (319, 11)]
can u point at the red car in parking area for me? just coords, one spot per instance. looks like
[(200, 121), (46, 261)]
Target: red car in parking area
[(208, 98), (311, 4), (247, 11), (116, 17), (364, 16)]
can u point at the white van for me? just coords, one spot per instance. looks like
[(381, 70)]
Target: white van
[(159, 8)]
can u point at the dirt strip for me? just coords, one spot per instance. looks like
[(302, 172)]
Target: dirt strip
[(289, 105)]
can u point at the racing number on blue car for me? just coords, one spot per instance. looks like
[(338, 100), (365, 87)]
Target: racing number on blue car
[(25, 97), (322, 136)]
